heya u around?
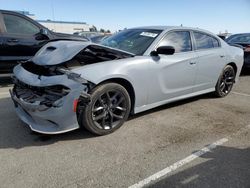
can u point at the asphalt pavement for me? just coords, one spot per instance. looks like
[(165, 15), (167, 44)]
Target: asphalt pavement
[(159, 140)]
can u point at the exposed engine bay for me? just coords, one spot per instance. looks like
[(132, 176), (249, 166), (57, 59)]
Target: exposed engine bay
[(46, 96), (89, 55)]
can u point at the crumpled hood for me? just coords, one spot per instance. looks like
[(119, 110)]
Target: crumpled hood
[(58, 52)]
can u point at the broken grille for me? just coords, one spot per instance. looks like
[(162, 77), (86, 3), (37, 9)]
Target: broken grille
[(42, 95)]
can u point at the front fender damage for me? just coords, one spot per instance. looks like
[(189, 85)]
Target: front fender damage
[(73, 76), (84, 98), (46, 103), (48, 94)]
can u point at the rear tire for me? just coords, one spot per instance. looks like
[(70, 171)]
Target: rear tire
[(225, 82), (109, 108)]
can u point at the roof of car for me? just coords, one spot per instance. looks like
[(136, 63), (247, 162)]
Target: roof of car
[(154, 27), (165, 28), (240, 34)]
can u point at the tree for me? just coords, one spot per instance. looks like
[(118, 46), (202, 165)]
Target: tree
[(108, 31), (102, 30), (93, 29)]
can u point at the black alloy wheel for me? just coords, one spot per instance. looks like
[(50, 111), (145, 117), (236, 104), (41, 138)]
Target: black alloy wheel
[(225, 82), (109, 108)]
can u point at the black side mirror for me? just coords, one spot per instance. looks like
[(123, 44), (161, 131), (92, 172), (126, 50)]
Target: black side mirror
[(43, 34), (165, 50)]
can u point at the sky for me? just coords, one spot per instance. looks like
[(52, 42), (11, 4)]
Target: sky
[(213, 15)]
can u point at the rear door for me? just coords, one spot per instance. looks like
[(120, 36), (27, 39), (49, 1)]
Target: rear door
[(18, 40), (210, 62)]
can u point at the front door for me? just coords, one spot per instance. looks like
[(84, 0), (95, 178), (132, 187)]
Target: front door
[(173, 75)]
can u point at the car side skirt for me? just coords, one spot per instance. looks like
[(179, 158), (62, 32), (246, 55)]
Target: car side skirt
[(150, 106)]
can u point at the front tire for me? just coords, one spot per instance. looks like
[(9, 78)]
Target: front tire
[(225, 81), (109, 108)]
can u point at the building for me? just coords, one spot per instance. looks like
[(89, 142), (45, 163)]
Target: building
[(65, 27), (61, 26)]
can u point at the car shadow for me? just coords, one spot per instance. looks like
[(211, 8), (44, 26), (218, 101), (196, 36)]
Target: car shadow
[(5, 82), (172, 105), (16, 134), (223, 167), (245, 72)]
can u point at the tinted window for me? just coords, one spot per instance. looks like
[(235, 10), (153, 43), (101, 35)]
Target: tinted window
[(180, 40), (135, 41), (239, 38), (18, 25), (204, 41)]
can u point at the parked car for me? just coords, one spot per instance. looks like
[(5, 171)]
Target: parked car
[(95, 37), (98, 39), (243, 40), (69, 84), (88, 34), (21, 37)]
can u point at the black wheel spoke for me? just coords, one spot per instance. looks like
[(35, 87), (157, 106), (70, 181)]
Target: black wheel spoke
[(114, 96), (111, 119), (108, 98), (226, 88), (98, 109), (229, 80), (120, 108), (118, 102), (222, 86), (100, 101), (229, 83), (117, 116), (101, 116), (103, 123)]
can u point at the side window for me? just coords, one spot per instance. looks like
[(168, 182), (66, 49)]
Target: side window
[(204, 41), (180, 40), (18, 25)]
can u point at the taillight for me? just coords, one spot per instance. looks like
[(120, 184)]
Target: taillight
[(75, 102), (247, 49)]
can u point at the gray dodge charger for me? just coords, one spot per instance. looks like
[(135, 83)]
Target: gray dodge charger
[(72, 84)]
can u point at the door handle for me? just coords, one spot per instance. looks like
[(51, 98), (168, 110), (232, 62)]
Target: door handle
[(12, 40), (192, 63), (221, 56)]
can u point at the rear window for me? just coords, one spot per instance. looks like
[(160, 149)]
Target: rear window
[(204, 41)]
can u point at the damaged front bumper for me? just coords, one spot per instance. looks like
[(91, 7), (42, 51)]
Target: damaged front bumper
[(46, 103)]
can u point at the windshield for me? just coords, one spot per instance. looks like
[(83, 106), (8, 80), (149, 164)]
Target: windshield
[(135, 41), (244, 38)]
